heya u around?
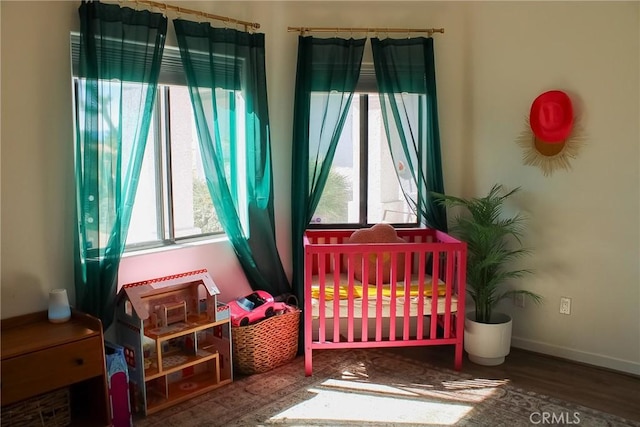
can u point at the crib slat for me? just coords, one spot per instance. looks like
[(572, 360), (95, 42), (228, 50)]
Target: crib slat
[(422, 261), (364, 315), (435, 280), (350, 298), (336, 300), (411, 261), (393, 299), (322, 298), (447, 304), (379, 285)]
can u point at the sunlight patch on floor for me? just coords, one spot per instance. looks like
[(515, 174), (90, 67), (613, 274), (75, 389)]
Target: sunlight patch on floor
[(475, 390), (353, 386), (371, 406)]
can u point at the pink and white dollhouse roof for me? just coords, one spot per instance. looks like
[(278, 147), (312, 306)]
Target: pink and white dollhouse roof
[(135, 292)]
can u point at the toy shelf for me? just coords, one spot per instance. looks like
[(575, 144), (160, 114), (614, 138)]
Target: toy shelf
[(168, 367), (185, 363), (166, 333), (163, 395), (176, 339)]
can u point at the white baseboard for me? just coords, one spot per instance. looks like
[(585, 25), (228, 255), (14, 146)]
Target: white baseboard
[(608, 362)]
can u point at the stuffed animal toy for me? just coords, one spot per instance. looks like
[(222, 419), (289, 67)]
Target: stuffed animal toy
[(379, 233)]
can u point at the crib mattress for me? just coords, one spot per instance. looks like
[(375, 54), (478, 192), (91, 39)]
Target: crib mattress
[(401, 301)]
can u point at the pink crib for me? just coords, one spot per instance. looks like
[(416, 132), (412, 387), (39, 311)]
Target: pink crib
[(396, 307)]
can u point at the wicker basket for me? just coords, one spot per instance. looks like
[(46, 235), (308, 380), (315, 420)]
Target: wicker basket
[(267, 344), (49, 409)]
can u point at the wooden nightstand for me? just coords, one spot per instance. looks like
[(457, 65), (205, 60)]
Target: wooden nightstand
[(39, 357)]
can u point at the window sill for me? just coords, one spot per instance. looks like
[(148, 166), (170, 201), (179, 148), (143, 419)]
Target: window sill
[(176, 246)]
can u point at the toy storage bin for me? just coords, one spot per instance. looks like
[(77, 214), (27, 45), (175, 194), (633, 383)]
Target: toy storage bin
[(267, 344)]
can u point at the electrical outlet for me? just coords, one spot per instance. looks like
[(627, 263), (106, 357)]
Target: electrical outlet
[(518, 300), (565, 305)]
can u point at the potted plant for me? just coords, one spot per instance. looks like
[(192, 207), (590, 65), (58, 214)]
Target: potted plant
[(493, 243)]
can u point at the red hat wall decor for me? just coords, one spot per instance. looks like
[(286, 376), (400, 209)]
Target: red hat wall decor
[(552, 137)]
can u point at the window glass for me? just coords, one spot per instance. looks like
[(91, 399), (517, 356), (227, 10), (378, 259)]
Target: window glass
[(340, 199), (362, 187), (144, 225), (385, 201), (193, 211), (172, 199)]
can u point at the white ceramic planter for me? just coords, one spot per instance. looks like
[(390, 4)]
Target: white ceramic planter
[(487, 343)]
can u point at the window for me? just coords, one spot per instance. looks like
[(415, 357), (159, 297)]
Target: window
[(362, 187), (172, 200)]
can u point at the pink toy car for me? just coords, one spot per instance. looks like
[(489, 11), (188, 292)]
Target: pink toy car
[(253, 307)]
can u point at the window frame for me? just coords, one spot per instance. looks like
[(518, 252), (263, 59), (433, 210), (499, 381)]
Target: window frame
[(171, 74)]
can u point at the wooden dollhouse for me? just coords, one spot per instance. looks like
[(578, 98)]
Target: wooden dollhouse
[(176, 339)]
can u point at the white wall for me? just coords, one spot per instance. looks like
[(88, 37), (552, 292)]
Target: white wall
[(492, 61)]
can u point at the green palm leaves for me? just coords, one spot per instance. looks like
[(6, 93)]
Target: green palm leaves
[(493, 244)]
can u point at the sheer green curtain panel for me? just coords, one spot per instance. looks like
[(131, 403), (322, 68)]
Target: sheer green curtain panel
[(405, 73), (326, 77), (119, 63), (225, 71)]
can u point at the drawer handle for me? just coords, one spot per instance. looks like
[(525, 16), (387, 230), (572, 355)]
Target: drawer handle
[(79, 361)]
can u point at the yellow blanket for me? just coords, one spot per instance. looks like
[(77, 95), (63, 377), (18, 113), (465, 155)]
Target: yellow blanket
[(343, 291)]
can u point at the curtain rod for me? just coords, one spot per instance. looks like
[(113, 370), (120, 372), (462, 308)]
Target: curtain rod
[(304, 30), (165, 7)]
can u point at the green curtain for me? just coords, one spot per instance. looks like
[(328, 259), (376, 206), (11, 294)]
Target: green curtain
[(225, 71), (405, 73), (327, 75), (119, 64)]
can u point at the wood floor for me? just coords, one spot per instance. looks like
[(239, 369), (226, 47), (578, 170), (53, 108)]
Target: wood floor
[(610, 391)]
